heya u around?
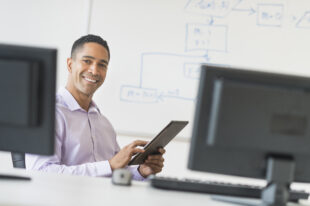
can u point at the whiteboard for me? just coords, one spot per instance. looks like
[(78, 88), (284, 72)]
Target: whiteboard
[(157, 47)]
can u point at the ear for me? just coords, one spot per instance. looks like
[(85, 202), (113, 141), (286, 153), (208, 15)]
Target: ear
[(69, 64)]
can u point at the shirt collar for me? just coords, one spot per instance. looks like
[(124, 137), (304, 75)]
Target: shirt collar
[(73, 104)]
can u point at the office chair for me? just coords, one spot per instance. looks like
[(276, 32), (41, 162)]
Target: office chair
[(18, 160)]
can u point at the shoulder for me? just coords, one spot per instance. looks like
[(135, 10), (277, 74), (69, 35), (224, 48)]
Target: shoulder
[(60, 102), (61, 106), (61, 112)]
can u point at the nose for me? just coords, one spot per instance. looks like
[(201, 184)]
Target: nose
[(93, 69)]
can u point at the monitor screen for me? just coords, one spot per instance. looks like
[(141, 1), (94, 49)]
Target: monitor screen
[(245, 117), (27, 106)]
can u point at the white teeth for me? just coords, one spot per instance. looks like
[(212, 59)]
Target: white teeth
[(90, 80)]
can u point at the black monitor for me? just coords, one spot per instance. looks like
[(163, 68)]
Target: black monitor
[(27, 106), (253, 124)]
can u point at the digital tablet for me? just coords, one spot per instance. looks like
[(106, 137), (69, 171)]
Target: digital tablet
[(161, 140)]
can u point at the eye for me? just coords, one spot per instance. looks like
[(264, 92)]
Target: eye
[(87, 61), (102, 65)]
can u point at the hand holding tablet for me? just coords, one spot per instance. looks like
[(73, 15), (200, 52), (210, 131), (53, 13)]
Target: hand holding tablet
[(161, 140)]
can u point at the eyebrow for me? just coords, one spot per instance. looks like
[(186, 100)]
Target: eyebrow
[(91, 57)]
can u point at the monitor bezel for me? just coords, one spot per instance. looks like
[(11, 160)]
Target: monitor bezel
[(229, 161), (37, 139)]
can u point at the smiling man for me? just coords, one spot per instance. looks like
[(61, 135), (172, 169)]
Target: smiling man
[(85, 141)]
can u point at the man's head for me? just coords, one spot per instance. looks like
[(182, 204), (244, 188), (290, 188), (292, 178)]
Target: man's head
[(87, 65), (78, 44)]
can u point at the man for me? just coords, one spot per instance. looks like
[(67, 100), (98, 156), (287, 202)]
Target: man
[(85, 142)]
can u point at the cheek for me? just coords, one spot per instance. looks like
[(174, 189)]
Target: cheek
[(77, 71), (103, 75), (75, 74)]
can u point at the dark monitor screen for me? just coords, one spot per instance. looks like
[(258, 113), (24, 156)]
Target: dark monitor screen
[(27, 106), (245, 117)]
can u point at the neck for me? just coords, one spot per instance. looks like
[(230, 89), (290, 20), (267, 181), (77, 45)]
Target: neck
[(82, 99)]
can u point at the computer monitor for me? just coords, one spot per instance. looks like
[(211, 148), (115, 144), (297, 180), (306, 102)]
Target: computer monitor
[(253, 124), (27, 106)]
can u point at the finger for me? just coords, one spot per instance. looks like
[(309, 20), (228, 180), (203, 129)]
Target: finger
[(162, 150), (155, 157), (155, 168), (155, 162), (138, 143), (137, 150)]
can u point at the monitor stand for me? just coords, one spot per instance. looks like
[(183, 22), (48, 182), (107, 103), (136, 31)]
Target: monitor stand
[(244, 201), (18, 160), (280, 174)]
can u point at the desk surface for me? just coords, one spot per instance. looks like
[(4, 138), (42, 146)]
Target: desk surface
[(58, 190)]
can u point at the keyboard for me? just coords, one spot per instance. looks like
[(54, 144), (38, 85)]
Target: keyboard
[(218, 188)]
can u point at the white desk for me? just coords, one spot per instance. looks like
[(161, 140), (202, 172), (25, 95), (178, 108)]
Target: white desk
[(58, 190)]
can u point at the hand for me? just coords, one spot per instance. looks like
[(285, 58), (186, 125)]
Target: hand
[(153, 164), (122, 158)]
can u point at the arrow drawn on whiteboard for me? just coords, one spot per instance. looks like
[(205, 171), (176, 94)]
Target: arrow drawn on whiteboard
[(251, 11), (244, 6), (172, 94), (210, 20), (304, 21)]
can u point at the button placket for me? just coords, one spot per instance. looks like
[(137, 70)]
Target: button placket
[(92, 136)]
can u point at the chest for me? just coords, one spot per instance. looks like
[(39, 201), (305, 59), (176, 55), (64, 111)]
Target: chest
[(88, 131)]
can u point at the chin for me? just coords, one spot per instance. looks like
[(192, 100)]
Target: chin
[(90, 92), (87, 92)]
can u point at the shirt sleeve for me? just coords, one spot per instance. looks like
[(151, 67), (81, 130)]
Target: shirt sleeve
[(53, 163), (96, 169), (135, 173)]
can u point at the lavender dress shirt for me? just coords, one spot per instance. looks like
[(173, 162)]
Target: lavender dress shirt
[(84, 142)]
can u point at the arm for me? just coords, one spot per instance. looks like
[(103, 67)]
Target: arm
[(54, 163)]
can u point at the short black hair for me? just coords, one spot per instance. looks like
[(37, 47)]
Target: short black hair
[(88, 39)]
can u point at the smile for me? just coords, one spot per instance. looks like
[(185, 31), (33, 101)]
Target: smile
[(90, 80)]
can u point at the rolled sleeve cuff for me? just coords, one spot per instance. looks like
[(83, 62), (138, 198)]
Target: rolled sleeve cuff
[(136, 174), (104, 168)]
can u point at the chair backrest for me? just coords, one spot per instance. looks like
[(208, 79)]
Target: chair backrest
[(18, 160)]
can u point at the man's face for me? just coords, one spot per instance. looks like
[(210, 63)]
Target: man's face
[(88, 68)]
